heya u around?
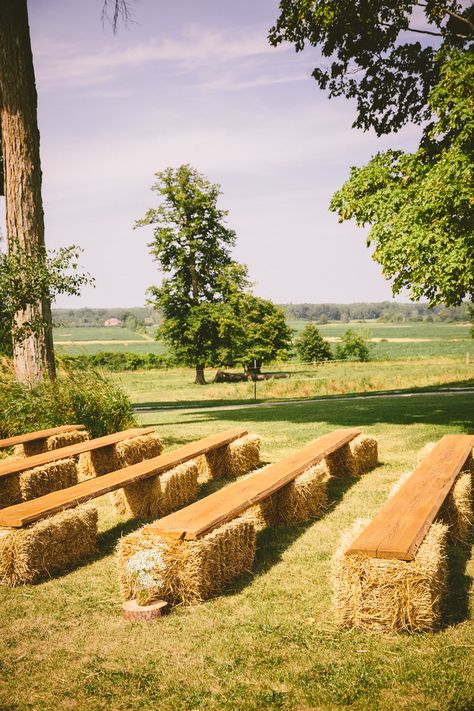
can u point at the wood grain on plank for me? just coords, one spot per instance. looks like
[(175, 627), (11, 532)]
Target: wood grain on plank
[(36, 509), (38, 460), (202, 516), (40, 434), (400, 527)]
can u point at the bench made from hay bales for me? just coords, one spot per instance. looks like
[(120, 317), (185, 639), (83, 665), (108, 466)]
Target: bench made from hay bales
[(14, 472), (32, 443), (41, 522), (234, 459), (391, 575), (157, 560)]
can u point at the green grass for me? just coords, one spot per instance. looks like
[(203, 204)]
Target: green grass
[(176, 385), (269, 642), (111, 333), (391, 330)]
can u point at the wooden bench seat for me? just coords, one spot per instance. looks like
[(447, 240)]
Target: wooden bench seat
[(30, 511), (38, 435), (402, 524), (38, 460), (203, 516)]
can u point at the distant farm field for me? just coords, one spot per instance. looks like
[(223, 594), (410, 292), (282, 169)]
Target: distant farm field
[(389, 341)]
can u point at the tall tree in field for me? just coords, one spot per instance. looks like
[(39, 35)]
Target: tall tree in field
[(418, 205), (20, 177), (192, 245)]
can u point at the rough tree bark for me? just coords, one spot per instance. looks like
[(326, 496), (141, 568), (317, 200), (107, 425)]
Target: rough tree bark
[(33, 357)]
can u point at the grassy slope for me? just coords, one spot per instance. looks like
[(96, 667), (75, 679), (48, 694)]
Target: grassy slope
[(269, 642)]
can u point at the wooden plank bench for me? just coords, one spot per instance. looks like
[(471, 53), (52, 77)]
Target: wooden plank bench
[(30, 511), (400, 527), (38, 460), (38, 435), (206, 514)]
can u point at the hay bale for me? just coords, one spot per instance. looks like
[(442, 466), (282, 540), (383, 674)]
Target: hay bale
[(424, 451), (66, 439), (137, 449), (212, 465), (391, 595), (457, 510), (57, 543), (10, 493), (364, 452), (303, 498), (243, 455), (341, 463), (262, 515), (29, 449), (99, 461), (85, 468), (159, 495), (151, 567), (50, 477)]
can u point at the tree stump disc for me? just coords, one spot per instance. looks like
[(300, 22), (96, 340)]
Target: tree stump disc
[(131, 610)]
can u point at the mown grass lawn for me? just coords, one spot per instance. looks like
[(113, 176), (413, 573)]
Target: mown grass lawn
[(269, 642)]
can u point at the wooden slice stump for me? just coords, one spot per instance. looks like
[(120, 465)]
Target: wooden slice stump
[(131, 610)]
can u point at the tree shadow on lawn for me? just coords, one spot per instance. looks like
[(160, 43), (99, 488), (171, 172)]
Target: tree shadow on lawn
[(454, 409), (456, 603)]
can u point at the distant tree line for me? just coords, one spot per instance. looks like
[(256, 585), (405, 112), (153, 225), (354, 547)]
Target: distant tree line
[(385, 311), (136, 318)]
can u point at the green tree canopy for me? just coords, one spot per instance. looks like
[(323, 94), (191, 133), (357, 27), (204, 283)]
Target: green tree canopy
[(420, 206), (368, 53), (192, 244), (353, 346), (260, 333), (311, 346)]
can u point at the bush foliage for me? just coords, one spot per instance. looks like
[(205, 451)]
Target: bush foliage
[(117, 361), (352, 346), (76, 397), (311, 346)]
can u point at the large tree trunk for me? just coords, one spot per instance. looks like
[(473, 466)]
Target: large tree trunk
[(33, 357), (200, 379)]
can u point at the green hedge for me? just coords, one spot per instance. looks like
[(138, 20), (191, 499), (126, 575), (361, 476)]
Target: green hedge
[(116, 361)]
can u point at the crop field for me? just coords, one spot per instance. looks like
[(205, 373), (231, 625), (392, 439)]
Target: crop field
[(269, 641)]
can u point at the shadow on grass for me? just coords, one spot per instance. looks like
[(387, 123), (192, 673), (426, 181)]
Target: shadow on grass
[(453, 409)]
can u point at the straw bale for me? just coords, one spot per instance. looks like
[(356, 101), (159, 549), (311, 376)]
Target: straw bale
[(341, 463), (424, 451), (364, 451), (262, 515), (29, 449), (159, 495), (66, 439), (10, 493), (54, 544), (153, 567), (303, 498), (85, 468), (99, 461), (391, 595), (457, 509), (137, 449), (212, 465), (243, 455), (50, 477)]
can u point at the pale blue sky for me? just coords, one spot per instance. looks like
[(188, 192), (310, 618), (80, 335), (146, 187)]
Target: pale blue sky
[(195, 81)]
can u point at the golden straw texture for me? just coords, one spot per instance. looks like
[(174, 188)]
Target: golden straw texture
[(391, 595), (50, 477)]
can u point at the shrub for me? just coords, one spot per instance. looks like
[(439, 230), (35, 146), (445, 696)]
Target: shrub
[(311, 346), (76, 397), (352, 346), (116, 361)]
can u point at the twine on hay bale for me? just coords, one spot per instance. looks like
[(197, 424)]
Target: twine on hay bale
[(390, 595), (159, 495), (303, 498), (10, 493), (57, 543), (152, 567), (50, 477)]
